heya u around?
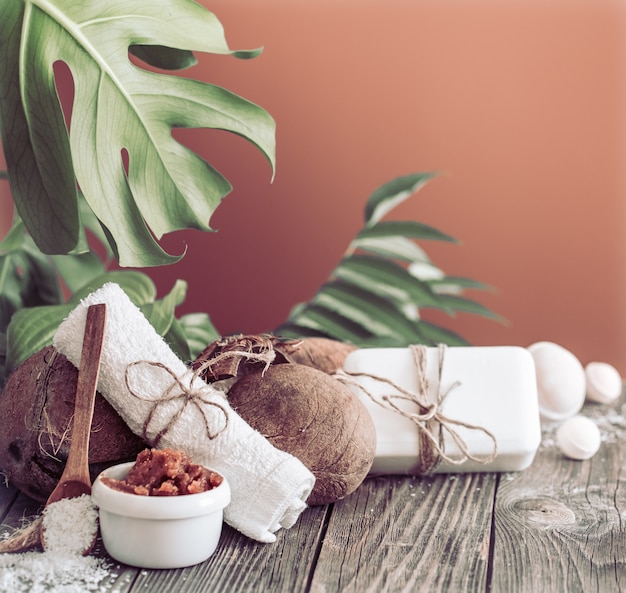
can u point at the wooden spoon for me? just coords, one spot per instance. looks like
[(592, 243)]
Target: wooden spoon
[(75, 480)]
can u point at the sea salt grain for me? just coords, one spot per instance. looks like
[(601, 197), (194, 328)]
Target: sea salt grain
[(33, 572), (70, 526)]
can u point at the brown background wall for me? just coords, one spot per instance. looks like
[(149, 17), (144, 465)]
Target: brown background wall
[(520, 103)]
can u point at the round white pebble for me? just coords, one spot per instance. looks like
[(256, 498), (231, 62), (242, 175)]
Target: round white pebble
[(578, 438), (561, 382), (604, 383)]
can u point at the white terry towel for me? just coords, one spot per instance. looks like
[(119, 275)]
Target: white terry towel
[(269, 487)]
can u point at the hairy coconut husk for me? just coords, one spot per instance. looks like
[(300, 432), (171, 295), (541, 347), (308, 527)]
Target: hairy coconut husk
[(308, 413), (36, 407), (225, 358)]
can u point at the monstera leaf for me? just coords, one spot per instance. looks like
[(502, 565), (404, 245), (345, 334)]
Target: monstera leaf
[(137, 179)]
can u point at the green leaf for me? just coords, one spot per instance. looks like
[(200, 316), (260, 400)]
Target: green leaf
[(456, 284), (385, 278), (34, 135), (372, 313), (199, 332), (27, 277), (435, 334), (320, 321), (167, 58), (451, 302), (404, 228), (78, 269), (31, 330), (392, 247), (161, 313), (393, 193), (16, 236), (118, 108), (137, 285), (176, 340)]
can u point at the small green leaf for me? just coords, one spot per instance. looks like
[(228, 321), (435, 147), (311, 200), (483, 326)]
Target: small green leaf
[(176, 340), (451, 302), (456, 285), (435, 334), (161, 313), (16, 236), (385, 278), (199, 332), (373, 313), (137, 285), (392, 247), (404, 228), (32, 329), (393, 193), (78, 269), (320, 321), (167, 58)]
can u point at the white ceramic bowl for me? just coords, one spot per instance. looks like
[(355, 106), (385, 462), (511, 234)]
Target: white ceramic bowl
[(159, 531)]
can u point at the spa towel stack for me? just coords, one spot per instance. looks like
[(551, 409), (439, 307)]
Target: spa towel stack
[(269, 487)]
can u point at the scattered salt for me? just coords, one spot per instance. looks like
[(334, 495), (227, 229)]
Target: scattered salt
[(34, 572), (70, 525)]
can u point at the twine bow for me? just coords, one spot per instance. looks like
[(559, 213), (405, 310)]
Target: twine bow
[(192, 394), (430, 421)]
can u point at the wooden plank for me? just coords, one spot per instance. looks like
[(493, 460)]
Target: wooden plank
[(409, 534), (561, 524), (243, 565)]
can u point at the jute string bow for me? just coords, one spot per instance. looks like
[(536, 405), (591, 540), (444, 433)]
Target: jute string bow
[(192, 392), (430, 421)]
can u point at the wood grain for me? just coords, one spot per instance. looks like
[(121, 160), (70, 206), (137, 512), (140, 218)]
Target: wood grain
[(243, 565), (409, 534), (560, 525)]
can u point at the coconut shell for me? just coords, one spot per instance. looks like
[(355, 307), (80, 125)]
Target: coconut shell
[(36, 407), (305, 412), (320, 353)]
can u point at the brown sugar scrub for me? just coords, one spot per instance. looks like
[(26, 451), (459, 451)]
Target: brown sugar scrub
[(165, 472)]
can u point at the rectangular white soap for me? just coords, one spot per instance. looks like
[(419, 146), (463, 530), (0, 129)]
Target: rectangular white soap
[(497, 390)]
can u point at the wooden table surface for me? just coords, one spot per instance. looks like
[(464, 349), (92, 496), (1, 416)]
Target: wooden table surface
[(559, 526)]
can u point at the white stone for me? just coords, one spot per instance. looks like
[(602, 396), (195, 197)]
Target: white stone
[(578, 438), (604, 383), (561, 382)]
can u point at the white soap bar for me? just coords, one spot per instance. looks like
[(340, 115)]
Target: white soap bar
[(497, 391)]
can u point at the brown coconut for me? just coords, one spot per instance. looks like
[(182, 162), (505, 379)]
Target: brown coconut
[(36, 407), (305, 412), (321, 353), (227, 357)]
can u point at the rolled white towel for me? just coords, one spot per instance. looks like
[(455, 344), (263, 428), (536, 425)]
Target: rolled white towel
[(269, 487)]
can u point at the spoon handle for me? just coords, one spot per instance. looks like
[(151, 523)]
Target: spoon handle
[(77, 466)]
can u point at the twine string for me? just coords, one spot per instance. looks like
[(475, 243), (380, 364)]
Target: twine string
[(194, 394), (429, 419)]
